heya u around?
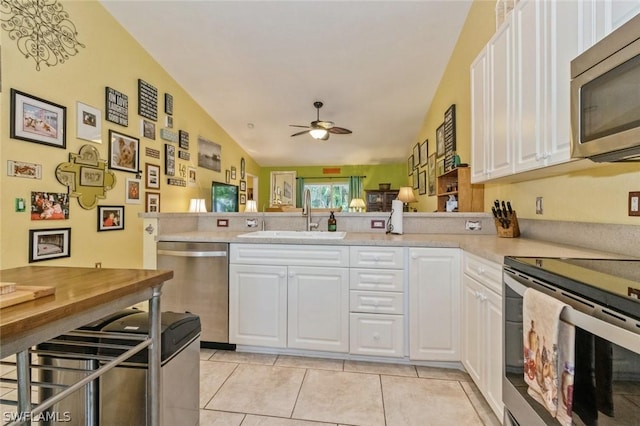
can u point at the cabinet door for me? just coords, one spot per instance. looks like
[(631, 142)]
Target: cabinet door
[(377, 334), (258, 305), (479, 117), (434, 304), (492, 305), (472, 340), (318, 301)]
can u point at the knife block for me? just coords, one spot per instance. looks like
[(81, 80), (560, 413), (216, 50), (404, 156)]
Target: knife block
[(512, 231)]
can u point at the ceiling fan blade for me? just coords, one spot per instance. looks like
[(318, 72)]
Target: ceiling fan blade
[(300, 133), (339, 131), (297, 125)]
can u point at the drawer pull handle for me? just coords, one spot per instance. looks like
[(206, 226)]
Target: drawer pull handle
[(376, 336)]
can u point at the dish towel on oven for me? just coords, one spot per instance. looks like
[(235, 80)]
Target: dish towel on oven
[(548, 354)]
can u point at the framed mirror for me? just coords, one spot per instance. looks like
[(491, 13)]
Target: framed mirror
[(283, 189)]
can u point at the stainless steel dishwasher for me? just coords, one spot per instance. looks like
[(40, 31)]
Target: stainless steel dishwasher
[(200, 285)]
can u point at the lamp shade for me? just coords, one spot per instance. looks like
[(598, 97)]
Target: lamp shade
[(406, 195), (319, 133), (357, 204), (251, 207), (197, 205)]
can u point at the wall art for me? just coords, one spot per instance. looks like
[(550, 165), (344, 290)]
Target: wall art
[(88, 123), (169, 160), (422, 182), (416, 155), (410, 162), (192, 173), (24, 170), (169, 135), (133, 193), (49, 206), (183, 138), (46, 244), (152, 202), (152, 176), (87, 176), (242, 168), (110, 218), (243, 185), (449, 136), (148, 129), (147, 100), (168, 121), (440, 141), (116, 107), (432, 174), (209, 155), (123, 152), (233, 172), (168, 104), (424, 152), (37, 120)]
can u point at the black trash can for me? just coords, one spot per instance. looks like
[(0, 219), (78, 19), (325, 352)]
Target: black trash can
[(123, 390), (64, 359)]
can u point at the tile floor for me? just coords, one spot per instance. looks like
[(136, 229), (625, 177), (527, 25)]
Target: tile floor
[(256, 389), (251, 389)]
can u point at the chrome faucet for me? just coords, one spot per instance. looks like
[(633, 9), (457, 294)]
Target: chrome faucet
[(306, 210)]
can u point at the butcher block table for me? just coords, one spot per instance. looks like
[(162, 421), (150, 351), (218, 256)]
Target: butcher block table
[(82, 295)]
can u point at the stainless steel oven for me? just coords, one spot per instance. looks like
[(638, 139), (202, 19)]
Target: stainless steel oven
[(603, 304)]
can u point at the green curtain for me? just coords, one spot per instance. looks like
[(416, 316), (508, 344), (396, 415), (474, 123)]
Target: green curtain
[(355, 187), (299, 192)]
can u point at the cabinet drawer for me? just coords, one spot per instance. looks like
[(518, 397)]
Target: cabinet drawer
[(377, 279), (376, 302), (484, 271), (377, 257), (374, 334), (289, 255)]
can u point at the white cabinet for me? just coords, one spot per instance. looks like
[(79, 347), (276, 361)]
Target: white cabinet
[(482, 327), (480, 119), (598, 18), (377, 301), (434, 304), (289, 296)]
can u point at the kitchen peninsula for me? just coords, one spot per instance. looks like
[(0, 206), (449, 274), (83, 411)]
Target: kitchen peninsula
[(81, 295)]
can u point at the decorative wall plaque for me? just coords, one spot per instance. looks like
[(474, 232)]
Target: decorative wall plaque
[(184, 155), (117, 107), (153, 153), (176, 182), (168, 104), (168, 135), (183, 139), (449, 137), (169, 160), (147, 100)]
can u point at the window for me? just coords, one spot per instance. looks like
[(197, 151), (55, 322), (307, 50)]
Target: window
[(329, 195)]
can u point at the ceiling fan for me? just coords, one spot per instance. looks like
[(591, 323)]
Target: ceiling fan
[(320, 129)]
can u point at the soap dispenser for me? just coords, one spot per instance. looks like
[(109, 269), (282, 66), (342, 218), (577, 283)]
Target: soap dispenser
[(332, 223)]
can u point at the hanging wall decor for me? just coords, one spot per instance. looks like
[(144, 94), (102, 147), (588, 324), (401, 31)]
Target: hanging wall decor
[(87, 176), (42, 30)]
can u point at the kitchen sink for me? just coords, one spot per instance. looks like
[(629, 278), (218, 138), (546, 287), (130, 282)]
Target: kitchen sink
[(307, 235)]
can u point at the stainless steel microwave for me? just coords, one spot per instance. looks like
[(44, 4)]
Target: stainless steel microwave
[(605, 97)]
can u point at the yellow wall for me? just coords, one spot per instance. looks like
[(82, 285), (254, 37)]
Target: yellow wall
[(111, 58), (597, 194)]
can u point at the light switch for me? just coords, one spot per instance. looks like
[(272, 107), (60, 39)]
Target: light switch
[(634, 203)]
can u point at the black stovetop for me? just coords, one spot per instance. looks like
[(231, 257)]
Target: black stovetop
[(612, 282)]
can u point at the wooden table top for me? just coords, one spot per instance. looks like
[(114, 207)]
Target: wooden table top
[(77, 290)]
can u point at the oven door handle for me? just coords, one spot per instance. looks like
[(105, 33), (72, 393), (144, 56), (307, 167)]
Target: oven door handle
[(592, 324)]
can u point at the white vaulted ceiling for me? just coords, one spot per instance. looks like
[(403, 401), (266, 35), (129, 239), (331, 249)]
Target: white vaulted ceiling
[(374, 64)]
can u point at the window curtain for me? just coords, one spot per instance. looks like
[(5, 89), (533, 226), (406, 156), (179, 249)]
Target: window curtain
[(299, 192), (355, 187)]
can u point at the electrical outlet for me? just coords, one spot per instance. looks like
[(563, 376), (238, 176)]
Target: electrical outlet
[(634, 203), (539, 205)]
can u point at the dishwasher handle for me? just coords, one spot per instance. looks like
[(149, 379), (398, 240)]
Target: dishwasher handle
[(187, 253)]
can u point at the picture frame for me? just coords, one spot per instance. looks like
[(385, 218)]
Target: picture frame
[(432, 174), (243, 199), (47, 244), (227, 176), (192, 176), (410, 164), (422, 183), (88, 123), (209, 155), (37, 120), (24, 170), (133, 193), (415, 180), (110, 218), (242, 168), (440, 167), (416, 155), (124, 152), (440, 141), (152, 176), (152, 202), (424, 153), (243, 185), (148, 129), (169, 159), (233, 172), (49, 205)]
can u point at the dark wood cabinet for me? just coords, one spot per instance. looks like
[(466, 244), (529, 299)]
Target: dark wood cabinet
[(380, 201)]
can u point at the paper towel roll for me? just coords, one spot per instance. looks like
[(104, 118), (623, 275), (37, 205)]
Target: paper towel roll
[(396, 216)]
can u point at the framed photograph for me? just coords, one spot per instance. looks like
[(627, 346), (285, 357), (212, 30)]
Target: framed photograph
[(148, 129), (37, 120), (46, 244), (243, 185), (422, 182), (169, 159), (110, 218), (168, 121), (152, 176), (49, 206), (133, 194), (410, 164), (191, 176), (416, 155), (123, 152), (233, 172), (91, 177), (415, 180), (209, 155), (88, 123), (424, 152), (243, 199), (152, 202), (440, 167), (432, 174), (227, 176), (168, 104), (440, 141)]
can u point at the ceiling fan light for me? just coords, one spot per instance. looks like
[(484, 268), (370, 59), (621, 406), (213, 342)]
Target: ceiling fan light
[(319, 133)]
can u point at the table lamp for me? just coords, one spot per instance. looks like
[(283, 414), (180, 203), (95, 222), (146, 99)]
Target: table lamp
[(406, 196), (357, 204), (197, 205), (251, 207)]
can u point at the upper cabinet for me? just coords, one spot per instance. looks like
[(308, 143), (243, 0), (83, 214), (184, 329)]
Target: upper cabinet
[(520, 110)]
